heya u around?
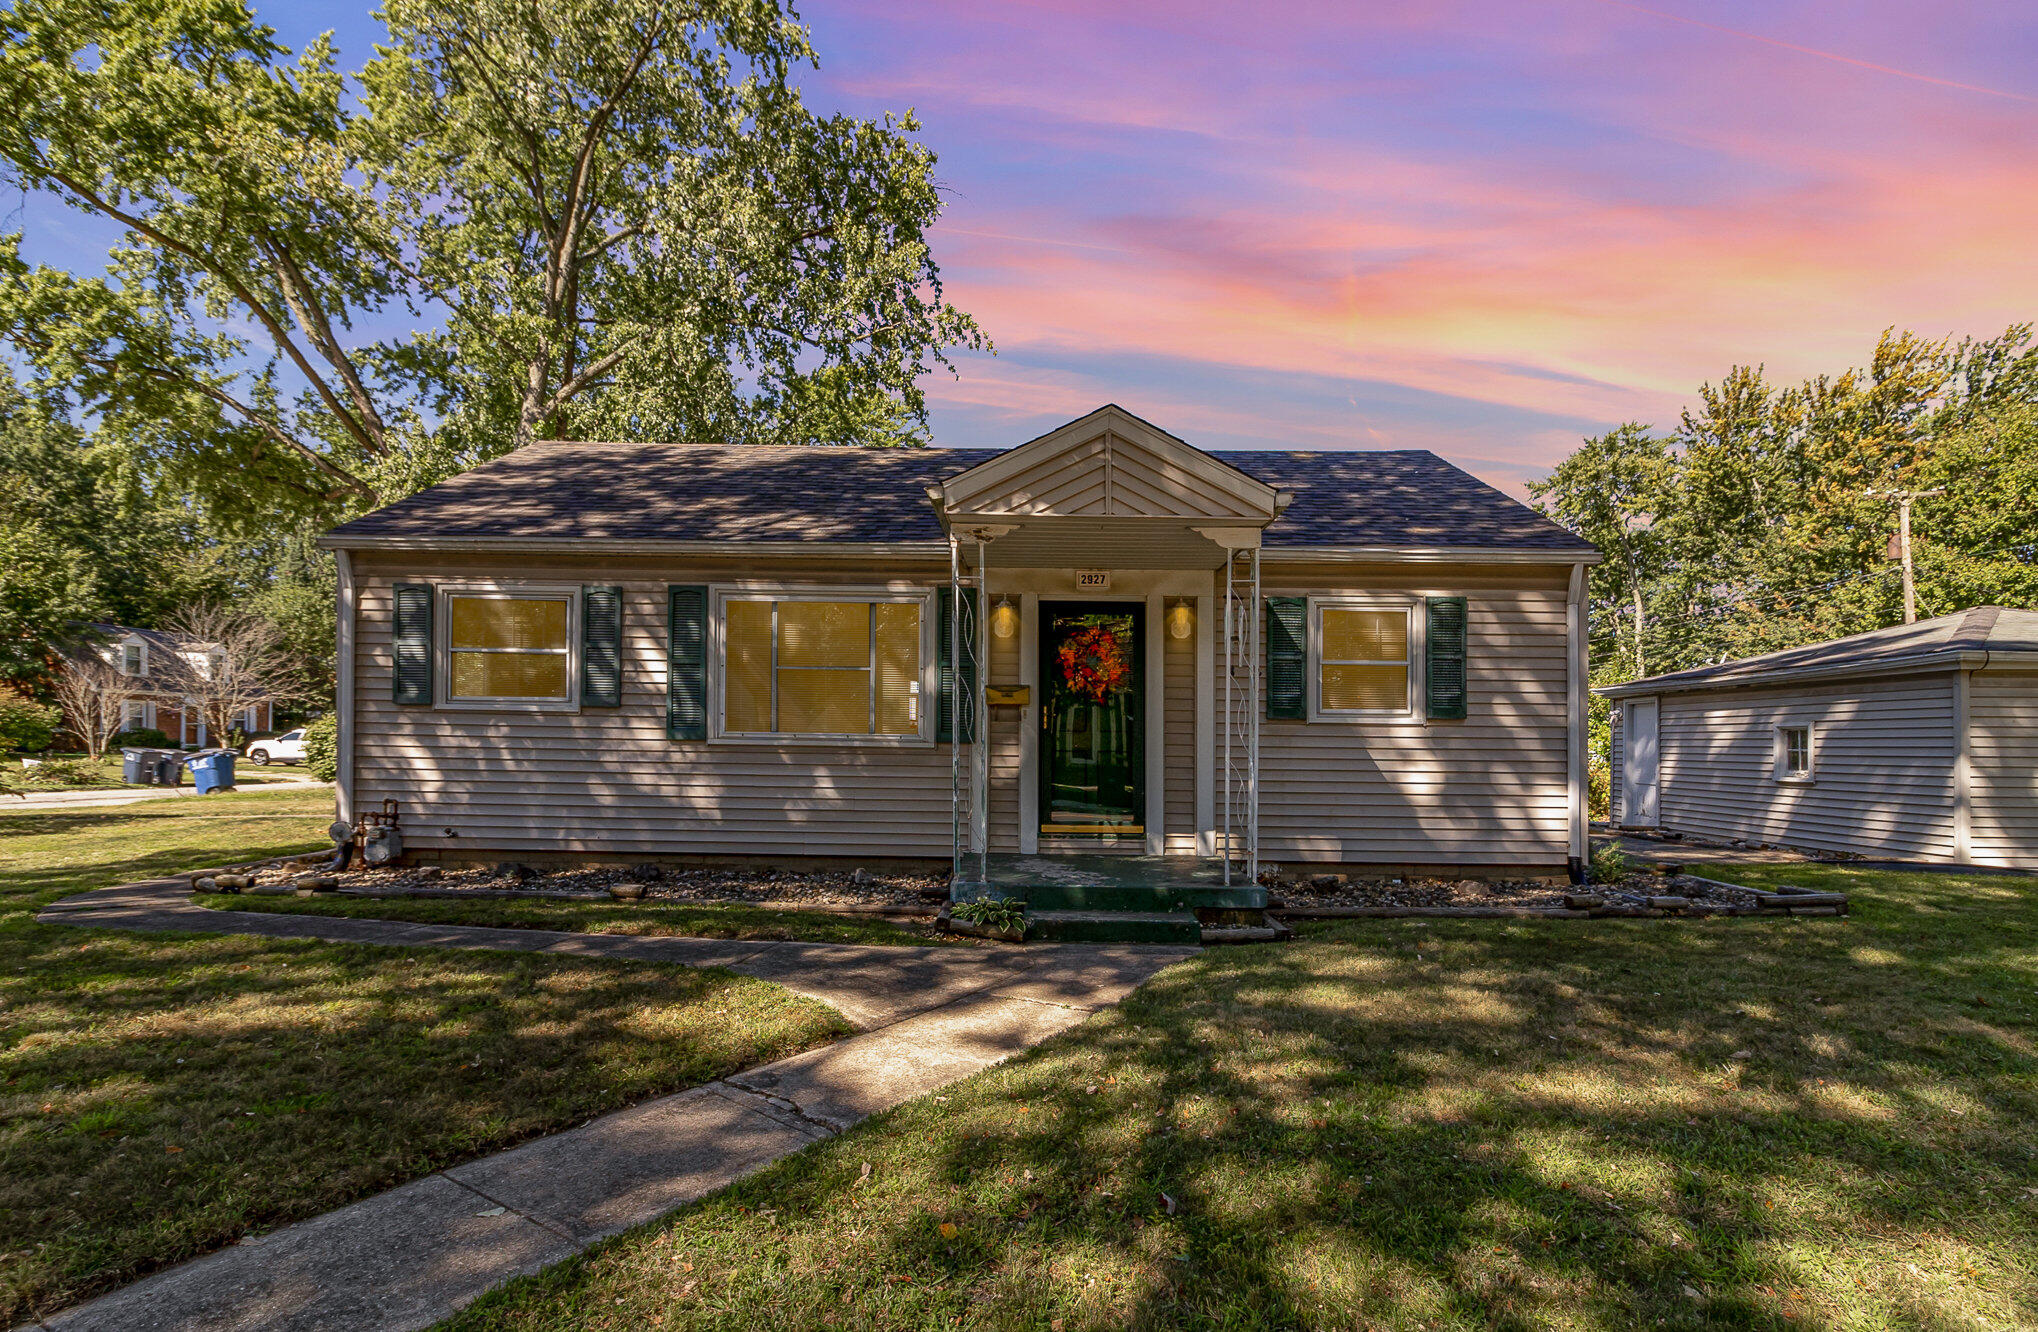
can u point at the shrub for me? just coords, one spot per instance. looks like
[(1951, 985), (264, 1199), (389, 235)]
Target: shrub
[(139, 737), (1598, 789), (992, 915), (1610, 864), (322, 747), (63, 772), (25, 723)]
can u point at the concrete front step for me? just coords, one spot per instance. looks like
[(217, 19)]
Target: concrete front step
[(1164, 897), (1178, 927)]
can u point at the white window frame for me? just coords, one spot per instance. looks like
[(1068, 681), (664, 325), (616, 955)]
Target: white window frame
[(1811, 753), (442, 645), (719, 597), (141, 657), (1410, 606)]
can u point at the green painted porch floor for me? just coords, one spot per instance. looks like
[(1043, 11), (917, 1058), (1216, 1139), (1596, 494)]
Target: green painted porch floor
[(1115, 899)]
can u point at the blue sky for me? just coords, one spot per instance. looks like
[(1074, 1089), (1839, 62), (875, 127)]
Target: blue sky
[(1484, 228)]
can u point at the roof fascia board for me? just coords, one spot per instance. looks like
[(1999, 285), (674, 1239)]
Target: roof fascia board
[(816, 550), (1924, 663), (1422, 554), (851, 551)]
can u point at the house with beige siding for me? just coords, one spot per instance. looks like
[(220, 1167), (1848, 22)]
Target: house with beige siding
[(1101, 641), (1916, 742)]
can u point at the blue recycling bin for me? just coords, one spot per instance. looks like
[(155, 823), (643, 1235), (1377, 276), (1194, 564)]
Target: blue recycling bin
[(212, 772)]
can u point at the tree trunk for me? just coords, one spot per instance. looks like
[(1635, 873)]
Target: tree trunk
[(1640, 669)]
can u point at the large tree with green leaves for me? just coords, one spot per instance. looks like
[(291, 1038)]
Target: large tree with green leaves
[(612, 219), (1763, 520), (1611, 492)]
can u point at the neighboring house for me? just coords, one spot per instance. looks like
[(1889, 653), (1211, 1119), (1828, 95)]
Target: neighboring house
[(621, 650), (1917, 742), (148, 654)]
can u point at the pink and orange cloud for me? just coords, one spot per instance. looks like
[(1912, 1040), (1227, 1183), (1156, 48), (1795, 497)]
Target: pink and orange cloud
[(1486, 228)]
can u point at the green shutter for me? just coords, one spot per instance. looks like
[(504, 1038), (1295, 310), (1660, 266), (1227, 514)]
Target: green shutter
[(686, 663), (1288, 657), (411, 678), (601, 647), (946, 662), (1444, 655)]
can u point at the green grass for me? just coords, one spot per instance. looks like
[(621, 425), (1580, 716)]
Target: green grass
[(1760, 1123), (711, 921), (162, 1095)]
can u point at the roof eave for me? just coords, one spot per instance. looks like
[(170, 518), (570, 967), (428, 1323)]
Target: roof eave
[(1923, 663), (825, 550), (1425, 555), (856, 550)]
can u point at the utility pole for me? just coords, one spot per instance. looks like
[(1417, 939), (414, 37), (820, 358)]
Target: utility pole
[(1903, 500)]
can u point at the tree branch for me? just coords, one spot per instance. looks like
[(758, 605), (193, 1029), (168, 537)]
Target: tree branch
[(277, 333)]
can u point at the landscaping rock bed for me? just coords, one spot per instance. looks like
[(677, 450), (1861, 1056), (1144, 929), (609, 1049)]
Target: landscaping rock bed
[(824, 890), (1637, 894)]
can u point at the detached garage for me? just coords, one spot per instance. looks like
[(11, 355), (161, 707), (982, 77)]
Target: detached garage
[(1917, 742)]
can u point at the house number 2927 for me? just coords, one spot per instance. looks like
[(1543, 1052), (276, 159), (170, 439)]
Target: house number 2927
[(1093, 580)]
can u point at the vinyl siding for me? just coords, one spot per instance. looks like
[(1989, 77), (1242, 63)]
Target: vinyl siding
[(1005, 727), (1492, 789), (1883, 767), (607, 781), (1489, 790), (2002, 738), (1106, 475), (1178, 740)]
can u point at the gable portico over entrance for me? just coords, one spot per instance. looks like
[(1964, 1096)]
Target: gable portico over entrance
[(1110, 500)]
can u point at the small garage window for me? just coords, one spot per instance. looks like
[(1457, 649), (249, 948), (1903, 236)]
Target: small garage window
[(1794, 754)]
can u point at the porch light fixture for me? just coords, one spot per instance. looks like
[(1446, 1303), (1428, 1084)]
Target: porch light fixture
[(1005, 618), (1181, 620)]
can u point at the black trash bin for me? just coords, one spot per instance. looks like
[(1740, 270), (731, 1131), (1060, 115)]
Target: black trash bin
[(169, 769), (138, 766)]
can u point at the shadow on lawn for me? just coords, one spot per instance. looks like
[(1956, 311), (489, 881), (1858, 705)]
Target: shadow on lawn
[(162, 1095), (1745, 1123)]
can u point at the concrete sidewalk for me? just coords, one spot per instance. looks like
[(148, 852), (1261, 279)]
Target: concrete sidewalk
[(128, 795), (407, 1258)]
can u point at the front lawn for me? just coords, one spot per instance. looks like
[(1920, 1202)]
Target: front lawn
[(162, 1095), (695, 920), (1769, 1123)]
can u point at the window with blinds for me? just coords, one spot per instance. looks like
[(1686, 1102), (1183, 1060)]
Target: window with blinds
[(509, 647), (1364, 660), (813, 667)]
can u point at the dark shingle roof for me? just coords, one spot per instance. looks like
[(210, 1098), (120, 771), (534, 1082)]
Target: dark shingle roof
[(754, 493), (1900, 646)]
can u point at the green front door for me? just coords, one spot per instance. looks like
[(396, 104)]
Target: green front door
[(1092, 719)]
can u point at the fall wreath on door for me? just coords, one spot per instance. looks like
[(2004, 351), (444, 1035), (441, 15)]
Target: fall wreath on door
[(1093, 663)]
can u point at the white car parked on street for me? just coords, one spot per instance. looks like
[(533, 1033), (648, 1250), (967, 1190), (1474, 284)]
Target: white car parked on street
[(285, 748)]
